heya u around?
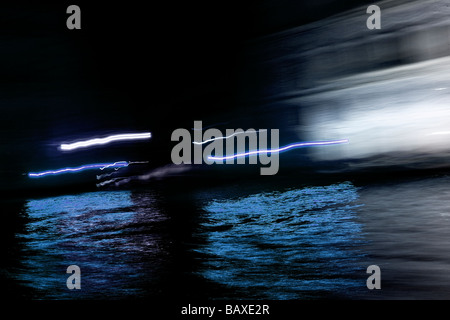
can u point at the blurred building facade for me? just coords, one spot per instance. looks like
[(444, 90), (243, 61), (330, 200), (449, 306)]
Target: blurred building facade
[(335, 78)]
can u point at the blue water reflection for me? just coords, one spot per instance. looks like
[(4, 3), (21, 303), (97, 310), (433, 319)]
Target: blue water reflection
[(309, 236), (107, 234)]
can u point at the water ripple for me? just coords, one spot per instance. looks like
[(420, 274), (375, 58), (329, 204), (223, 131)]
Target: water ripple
[(309, 236)]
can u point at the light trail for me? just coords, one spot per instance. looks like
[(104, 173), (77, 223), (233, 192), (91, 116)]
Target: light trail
[(116, 165), (102, 141), (138, 162), (105, 175), (285, 148), (101, 166), (103, 183), (231, 135)]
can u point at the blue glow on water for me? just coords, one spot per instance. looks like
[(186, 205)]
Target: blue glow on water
[(300, 243), (308, 235), (104, 233)]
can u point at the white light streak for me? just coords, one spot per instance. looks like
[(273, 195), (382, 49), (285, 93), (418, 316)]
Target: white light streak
[(106, 140), (231, 135)]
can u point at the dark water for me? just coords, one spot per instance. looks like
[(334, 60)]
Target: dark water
[(233, 242)]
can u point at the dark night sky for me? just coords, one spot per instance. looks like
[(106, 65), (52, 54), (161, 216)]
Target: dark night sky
[(132, 66), (169, 53)]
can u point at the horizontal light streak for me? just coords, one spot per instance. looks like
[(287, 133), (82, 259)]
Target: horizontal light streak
[(101, 166), (285, 148), (106, 140), (231, 135)]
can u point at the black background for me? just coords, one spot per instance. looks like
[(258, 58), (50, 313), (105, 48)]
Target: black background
[(136, 65)]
